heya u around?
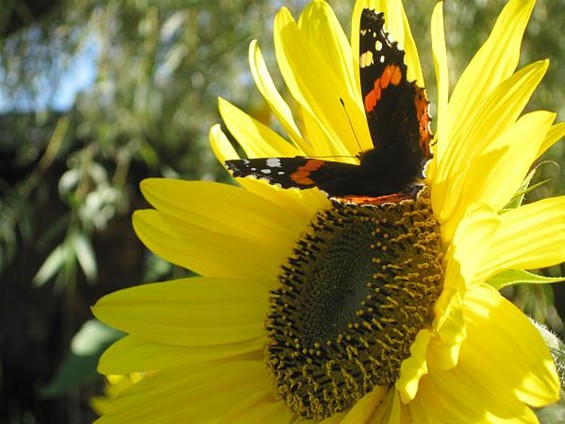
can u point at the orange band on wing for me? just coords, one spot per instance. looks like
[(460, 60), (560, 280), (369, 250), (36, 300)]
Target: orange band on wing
[(421, 104), (373, 200), (392, 74), (302, 174), (373, 97)]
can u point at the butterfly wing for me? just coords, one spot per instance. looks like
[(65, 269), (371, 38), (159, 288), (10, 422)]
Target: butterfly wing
[(335, 178), (396, 109), (397, 115)]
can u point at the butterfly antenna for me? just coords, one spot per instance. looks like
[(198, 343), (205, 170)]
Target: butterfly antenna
[(350, 124)]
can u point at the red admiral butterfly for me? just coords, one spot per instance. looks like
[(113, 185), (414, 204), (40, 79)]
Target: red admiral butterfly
[(397, 115)]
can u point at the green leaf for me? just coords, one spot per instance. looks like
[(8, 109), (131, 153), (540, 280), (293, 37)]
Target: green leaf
[(85, 256), (51, 266), (520, 276), (555, 412), (525, 187), (80, 363)]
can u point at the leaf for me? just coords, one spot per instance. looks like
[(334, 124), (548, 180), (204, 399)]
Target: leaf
[(51, 266), (520, 276), (525, 187), (555, 412), (85, 256), (80, 363)]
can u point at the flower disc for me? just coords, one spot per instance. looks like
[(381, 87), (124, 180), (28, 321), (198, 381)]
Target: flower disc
[(361, 283)]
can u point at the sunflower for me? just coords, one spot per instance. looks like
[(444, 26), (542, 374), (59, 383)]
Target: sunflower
[(312, 309)]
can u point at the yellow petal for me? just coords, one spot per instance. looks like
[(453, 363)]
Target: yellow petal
[(101, 404), (495, 61), (188, 312), (555, 133), (257, 139), (414, 367), (430, 407), (313, 83), (364, 409), (221, 146), (266, 86), (336, 418), (412, 58), (475, 174), (223, 208), (528, 237), (354, 39), (463, 402), (519, 359), (259, 408), (261, 246), (449, 326), (471, 241), (494, 179), (320, 25), (397, 411), (207, 252), (465, 398), (496, 112), (191, 394), (313, 130), (440, 63), (131, 354), (493, 115)]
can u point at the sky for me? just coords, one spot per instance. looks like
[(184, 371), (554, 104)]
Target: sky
[(77, 73)]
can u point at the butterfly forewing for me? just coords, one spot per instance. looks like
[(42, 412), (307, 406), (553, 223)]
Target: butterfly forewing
[(297, 172)]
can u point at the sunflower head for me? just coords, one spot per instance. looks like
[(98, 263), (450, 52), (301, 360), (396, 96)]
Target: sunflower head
[(358, 283)]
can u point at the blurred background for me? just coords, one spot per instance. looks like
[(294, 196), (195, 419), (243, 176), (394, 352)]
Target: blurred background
[(96, 96)]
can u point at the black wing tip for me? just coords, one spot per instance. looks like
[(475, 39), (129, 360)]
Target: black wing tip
[(372, 15), (235, 166)]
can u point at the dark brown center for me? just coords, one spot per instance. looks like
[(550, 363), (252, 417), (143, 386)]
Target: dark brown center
[(360, 284)]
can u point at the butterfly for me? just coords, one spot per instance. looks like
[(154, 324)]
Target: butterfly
[(398, 120)]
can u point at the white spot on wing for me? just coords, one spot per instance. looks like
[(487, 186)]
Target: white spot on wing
[(266, 171), (378, 46), (274, 163), (366, 59), (382, 59)]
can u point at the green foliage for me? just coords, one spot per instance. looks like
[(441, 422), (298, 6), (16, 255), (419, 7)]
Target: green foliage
[(527, 187), (80, 362), (554, 413), (520, 276), (161, 67)]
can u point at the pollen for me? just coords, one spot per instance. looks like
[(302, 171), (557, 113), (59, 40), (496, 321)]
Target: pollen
[(360, 284)]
